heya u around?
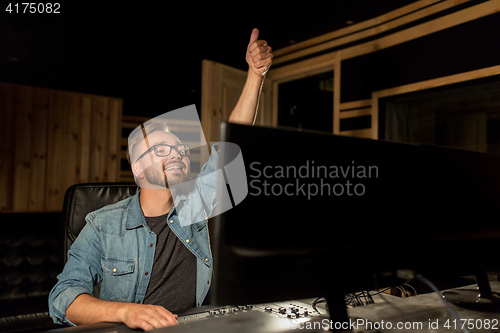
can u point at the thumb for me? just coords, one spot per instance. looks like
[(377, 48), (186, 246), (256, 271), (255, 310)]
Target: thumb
[(254, 36)]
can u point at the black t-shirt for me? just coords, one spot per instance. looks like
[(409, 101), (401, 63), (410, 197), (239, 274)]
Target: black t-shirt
[(173, 278)]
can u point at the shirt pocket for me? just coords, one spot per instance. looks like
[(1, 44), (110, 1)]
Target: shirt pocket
[(117, 278)]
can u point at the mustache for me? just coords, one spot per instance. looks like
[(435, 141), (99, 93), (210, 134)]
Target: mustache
[(174, 163)]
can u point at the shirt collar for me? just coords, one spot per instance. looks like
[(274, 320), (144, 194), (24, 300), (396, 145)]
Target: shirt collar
[(135, 217)]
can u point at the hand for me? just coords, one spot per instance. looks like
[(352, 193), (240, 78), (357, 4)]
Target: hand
[(259, 55), (146, 317)]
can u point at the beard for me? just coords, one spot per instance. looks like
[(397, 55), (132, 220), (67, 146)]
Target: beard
[(156, 175)]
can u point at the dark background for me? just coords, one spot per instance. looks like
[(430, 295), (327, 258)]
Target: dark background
[(466, 47), (149, 53)]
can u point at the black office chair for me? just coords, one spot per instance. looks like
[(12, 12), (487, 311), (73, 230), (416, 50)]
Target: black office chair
[(81, 199)]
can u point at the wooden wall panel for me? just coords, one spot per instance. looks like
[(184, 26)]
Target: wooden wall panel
[(55, 167), (99, 142), (114, 135), (39, 151), (22, 141), (7, 112), (52, 140), (85, 137), (71, 137)]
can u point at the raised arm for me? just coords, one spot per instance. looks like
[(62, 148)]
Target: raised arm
[(259, 58)]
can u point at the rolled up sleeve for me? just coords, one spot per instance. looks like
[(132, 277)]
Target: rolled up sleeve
[(213, 161), (80, 274)]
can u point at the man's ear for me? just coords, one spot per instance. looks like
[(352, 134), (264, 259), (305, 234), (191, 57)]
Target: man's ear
[(137, 171)]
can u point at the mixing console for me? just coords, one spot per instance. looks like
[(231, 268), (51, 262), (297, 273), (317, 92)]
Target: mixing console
[(286, 310)]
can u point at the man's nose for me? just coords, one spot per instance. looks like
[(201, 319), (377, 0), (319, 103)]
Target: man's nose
[(174, 154)]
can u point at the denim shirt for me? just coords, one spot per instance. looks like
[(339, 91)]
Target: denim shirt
[(117, 247)]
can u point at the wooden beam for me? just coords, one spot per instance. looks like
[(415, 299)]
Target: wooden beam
[(369, 32), (354, 28), (355, 113), (337, 70), (356, 104), (438, 82), (85, 138), (441, 23), (303, 68)]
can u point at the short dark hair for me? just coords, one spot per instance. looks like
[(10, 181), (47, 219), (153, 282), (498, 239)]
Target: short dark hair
[(141, 132)]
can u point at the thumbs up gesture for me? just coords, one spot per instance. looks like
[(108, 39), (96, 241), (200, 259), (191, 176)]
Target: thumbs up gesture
[(259, 55)]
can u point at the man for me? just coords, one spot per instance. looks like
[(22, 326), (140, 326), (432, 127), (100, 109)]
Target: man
[(147, 259)]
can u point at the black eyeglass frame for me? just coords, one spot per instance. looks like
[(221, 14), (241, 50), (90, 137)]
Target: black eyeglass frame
[(170, 152)]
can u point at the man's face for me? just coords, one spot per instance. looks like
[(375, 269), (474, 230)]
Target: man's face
[(161, 172)]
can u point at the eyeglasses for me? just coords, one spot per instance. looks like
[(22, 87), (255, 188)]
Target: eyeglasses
[(163, 150)]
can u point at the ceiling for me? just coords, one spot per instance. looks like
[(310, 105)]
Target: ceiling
[(149, 52)]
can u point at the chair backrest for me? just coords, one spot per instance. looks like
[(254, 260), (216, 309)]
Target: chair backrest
[(81, 199)]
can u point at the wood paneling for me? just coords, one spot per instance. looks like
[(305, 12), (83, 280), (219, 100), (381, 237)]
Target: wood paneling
[(336, 92), (22, 146), (51, 140), (221, 88), (38, 151)]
